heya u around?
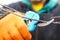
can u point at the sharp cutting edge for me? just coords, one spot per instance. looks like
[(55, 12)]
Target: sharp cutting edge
[(46, 23)]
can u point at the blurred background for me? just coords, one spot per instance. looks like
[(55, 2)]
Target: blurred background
[(11, 1), (59, 1)]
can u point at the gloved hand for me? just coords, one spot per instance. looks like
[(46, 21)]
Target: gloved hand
[(12, 27), (31, 25)]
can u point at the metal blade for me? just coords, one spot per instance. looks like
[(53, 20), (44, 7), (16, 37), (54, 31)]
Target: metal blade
[(46, 23)]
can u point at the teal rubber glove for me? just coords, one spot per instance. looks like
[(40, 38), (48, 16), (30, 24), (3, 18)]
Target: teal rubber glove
[(31, 26)]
